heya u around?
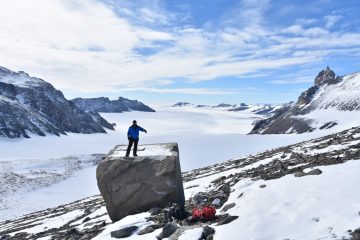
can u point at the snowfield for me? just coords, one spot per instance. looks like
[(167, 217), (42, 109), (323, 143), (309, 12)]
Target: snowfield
[(205, 136)]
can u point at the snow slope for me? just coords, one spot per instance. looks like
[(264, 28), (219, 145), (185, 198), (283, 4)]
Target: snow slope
[(342, 96)]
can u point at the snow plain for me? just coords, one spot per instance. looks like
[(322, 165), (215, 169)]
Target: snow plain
[(205, 136)]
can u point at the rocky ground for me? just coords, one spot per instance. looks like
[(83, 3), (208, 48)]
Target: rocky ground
[(87, 218)]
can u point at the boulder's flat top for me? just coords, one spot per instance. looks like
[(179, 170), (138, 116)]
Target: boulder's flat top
[(146, 150)]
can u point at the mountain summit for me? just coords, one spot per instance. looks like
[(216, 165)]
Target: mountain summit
[(326, 76)]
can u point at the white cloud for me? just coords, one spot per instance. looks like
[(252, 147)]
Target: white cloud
[(83, 45), (307, 32), (295, 80), (190, 91), (153, 16), (331, 20), (306, 21)]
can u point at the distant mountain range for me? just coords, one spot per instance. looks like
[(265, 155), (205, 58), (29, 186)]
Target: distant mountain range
[(30, 105), (341, 93), (103, 104), (261, 109)]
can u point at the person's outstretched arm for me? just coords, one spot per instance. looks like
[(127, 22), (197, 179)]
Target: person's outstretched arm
[(142, 129)]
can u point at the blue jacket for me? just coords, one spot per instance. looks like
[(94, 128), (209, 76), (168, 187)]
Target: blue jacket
[(133, 131)]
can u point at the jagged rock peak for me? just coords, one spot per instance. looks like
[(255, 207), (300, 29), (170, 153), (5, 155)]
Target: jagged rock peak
[(326, 76)]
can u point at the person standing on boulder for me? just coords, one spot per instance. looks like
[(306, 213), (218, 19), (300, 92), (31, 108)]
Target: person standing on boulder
[(133, 136)]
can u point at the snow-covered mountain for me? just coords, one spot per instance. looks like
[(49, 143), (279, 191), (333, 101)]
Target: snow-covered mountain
[(105, 105), (307, 190), (324, 105), (32, 105), (183, 104), (261, 109)]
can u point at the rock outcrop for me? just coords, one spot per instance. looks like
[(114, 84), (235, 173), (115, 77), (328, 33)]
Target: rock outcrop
[(326, 76), (133, 185)]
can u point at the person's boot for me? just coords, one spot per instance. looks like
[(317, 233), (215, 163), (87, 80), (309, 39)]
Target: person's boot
[(135, 155)]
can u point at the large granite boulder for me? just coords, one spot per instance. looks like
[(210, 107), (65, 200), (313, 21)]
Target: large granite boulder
[(132, 185)]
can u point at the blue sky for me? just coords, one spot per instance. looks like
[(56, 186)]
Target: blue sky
[(162, 52)]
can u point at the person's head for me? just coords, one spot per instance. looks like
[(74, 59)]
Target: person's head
[(134, 122)]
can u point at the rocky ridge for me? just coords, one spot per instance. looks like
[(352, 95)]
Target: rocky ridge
[(105, 105), (89, 218)]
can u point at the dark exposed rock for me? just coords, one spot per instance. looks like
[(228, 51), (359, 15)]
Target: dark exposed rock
[(86, 219), (326, 76), (210, 237), (314, 172), (299, 174), (311, 172), (73, 232), (207, 231), (262, 186), (167, 230), (228, 206), (124, 232), (20, 235), (182, 104), (218, 180), (155, 211), (192, 186), (316, 219), (89, 210), (328, 125), (306, 97), (227, 220), (355, 235)]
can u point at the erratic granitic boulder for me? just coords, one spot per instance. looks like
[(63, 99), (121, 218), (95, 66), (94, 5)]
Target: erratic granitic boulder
[(131, 185)]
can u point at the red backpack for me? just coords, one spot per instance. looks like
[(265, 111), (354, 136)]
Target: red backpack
[(206, 213)]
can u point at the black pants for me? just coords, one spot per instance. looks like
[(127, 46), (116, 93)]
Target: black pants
[(131, 142)]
